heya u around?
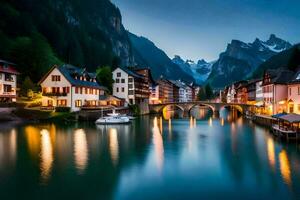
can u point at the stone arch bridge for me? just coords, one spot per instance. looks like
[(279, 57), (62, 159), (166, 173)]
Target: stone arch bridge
[(215, 107)]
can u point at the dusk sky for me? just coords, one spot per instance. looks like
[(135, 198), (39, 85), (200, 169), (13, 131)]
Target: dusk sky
[(197, 29)]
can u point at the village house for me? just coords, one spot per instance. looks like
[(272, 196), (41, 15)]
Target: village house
[(8, 81), (242, 92), (275, 90), (165, 91), (69, 86), (232, 94), (132, 85), (294, 94), (195, 91)]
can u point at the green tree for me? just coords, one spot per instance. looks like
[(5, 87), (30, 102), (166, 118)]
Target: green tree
[(202, 94), (209, 92), (104, 76), (27, 86)]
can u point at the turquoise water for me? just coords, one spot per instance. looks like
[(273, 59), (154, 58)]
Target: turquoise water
[(153, 158)]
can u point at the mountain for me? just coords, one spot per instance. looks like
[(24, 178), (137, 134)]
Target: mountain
[(37, 34), (241, 59), (288, 59), (200, 70), (147, 54)]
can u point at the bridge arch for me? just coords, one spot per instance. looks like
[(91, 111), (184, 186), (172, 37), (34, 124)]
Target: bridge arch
[(237, 107), (202, 104), (175, 105)]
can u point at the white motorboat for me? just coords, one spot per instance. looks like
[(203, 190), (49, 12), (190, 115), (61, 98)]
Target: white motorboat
[(113, 118)]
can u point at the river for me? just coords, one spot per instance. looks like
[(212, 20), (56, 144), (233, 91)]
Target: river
[(171, 156)]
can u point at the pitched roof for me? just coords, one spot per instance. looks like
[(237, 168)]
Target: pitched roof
[(280, 76), (70, 71), (9, 69), (131, 72), (296, 78)]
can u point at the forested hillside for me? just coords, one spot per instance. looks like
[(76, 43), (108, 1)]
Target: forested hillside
[(37, 34)]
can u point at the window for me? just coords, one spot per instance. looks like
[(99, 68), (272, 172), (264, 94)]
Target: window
[(8, 77), (55, 78), (62, 102), (87, 90), (76, 90), (123, 89), (117, 89), (119, 74), (80, 90), (130, 80), (290, 89), (123, 80), (117, 80), (66, 90), (7, 88), (130, 92), (78, 103), (130, 86), (298, 90)]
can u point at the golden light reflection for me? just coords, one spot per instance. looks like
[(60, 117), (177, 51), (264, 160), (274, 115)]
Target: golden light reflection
[(8, 148), (161, 124), (195, 122), (222, 121), (271, 152), (46, 155), (113, 145), (33, 140), (170, 125), (158, 145), (191, 122), (210, 121), (80, 150), (285, 168)]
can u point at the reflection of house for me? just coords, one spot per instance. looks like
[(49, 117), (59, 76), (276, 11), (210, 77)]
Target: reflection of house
[(69, 86), (8, 82), (294, 94), (132, 85), (275, 90)]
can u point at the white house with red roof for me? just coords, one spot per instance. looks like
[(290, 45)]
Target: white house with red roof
[(8, 81)]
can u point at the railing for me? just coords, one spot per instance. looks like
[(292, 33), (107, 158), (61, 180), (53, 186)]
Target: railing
[(55, 94)]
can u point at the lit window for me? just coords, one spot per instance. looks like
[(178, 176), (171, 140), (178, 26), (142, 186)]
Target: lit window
[(78, 103), (55, 78)]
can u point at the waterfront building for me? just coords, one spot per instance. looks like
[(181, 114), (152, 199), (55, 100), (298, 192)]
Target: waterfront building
[(165, 90), (70, 86), (275, 90), (242, 92), (232, 94), (294, 94), (8, 81), (252, 90), (132, 85), (195, 91)]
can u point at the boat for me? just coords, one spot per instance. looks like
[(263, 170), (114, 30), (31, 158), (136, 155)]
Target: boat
[(113, 118)]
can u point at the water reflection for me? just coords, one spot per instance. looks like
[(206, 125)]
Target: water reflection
[(271, 152), (46, 155), (285, 168), (158, 144), (80, 150), (113, 145), (8, 149)]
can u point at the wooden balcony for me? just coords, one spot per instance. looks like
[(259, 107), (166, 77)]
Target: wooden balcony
[(55, 94)]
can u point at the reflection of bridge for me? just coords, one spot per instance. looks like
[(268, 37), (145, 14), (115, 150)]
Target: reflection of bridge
[(215, 107)]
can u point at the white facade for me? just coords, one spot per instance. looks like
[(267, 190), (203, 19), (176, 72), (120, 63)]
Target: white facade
[(259, 92), (121, 85), (8, 86), (231, 93), (61, 93), (294, 98)]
